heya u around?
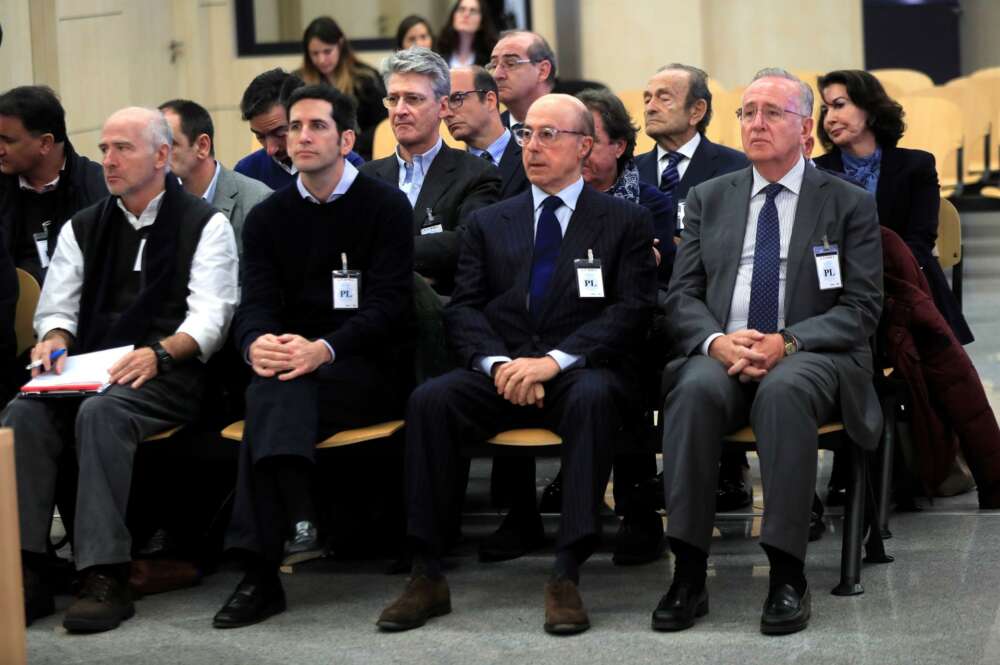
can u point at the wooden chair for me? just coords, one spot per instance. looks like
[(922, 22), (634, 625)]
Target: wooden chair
[(935, 125), (977, 108), (636, 107), (724, 128), (903, 80), (27, 301), (949, 245), (12, 640), (347, 437), (384, 142)]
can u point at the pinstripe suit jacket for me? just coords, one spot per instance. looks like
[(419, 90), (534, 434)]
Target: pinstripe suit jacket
[(488, 313)]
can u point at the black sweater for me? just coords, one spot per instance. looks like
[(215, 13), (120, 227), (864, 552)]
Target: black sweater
[(291, 247)]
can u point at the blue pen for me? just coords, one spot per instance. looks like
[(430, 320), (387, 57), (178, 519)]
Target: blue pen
[(55, 355)]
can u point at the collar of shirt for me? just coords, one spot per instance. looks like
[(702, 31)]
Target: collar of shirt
[(514, 122), (423, 161), (210, 192), (791, 180), (148, 215), (687, 150), (496, 149), (47, 187), (284, 167), (569, 195), (346, 180)]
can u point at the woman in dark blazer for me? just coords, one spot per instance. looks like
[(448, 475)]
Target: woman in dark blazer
[(859, 125)]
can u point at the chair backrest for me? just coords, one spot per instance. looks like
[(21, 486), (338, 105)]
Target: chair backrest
[(935, 125), (27, 301), (949, 236), (903, 80), (12, 639), (384, 142), (975, 101), (986, 71), (724, 128)]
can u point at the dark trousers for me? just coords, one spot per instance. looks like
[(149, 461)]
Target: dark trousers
[(583, 406), (785, 409), (288, 418)]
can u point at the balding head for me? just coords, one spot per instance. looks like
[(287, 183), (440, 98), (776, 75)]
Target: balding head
[(151, 121), (554, 163), (135, 142)]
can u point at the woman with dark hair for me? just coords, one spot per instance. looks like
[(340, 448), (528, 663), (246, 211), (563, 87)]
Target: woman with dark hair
[(468, 36), (414, 31), (859, 125), (327, 58)]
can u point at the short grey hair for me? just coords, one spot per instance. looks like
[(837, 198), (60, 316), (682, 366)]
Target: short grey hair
[(423, 61), (158, 131), (805, 92), (697, 89)]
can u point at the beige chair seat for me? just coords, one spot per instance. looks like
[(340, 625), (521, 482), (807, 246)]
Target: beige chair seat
[(346, 437), (746, 434), (528, 438)]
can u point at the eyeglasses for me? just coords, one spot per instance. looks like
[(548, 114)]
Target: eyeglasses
[(471, 11), (771, 114), (508, 62), (410, 98), (456, 99), (545, 135)]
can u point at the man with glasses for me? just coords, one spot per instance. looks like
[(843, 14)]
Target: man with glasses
[(473, 116), (524, 67), (553, 296), (444, 185), (776, 290)]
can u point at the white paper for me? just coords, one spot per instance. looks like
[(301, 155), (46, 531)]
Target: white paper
[(431, 230), (43, 251), (345, 293), (591, 282), (828, 271), (81, 370)]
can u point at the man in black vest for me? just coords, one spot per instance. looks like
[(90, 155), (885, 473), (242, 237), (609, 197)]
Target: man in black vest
[(327, 293), (150, 266), (43, 182)]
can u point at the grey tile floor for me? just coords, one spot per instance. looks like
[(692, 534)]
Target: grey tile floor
[(938, 603)]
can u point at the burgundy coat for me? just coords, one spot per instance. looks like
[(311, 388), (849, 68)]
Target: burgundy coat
[(949, 406)]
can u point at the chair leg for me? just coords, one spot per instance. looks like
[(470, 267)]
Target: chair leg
[(854, 515), (885, 468), (874, 547)]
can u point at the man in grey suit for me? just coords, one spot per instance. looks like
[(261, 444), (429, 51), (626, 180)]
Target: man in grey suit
[(776, 289), (444, 185), (192, 160)]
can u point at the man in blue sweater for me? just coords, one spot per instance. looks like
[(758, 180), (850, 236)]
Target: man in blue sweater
[(263, 106)]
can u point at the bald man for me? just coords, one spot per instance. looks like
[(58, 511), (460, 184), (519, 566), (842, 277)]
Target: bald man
[(150, 266), (544, 341)]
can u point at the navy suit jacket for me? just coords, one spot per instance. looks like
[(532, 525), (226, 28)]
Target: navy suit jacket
[(488, 313), (512, 171)]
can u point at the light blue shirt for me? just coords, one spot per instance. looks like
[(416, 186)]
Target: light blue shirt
[(570, 195), (210, 192), (411, 174), (496, 149), (346, 180)]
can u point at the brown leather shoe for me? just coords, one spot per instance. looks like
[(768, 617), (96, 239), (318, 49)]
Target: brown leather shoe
[(422, 599), (564, 611)]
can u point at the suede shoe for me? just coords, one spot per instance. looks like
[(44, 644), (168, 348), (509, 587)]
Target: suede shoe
[(680, 606), (785, 611), (422, 599), (304, 546), (38, 598), (564, 610), (519, 533), (640, 538), (103, 603), (257, 597)]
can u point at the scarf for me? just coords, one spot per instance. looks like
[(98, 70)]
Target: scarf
[(865, 170), (627, 185)]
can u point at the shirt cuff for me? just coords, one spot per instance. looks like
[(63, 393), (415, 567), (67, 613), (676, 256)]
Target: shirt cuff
[(485, 363), (333, 354), (565, 360), (50, 323), (708, 342)]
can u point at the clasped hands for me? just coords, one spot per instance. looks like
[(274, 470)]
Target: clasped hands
[(521, 381), (748, 353), (287, 356)]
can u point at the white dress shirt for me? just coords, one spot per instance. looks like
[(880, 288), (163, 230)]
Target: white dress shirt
[(786, 202), (411, 174), (496, 149), (563, 213), (285, 167), (210, 191), (686, 152), (212, 287)]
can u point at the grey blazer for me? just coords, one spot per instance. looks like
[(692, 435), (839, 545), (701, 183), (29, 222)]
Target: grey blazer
[(235, 196), (837, 322)]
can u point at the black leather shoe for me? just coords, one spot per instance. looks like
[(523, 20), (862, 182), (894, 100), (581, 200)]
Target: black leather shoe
[(38, 598), (519, 533), (680, 606), (733, 494), (254, 600), (551, 501), (785, 611), (640, 538), (304, 545)]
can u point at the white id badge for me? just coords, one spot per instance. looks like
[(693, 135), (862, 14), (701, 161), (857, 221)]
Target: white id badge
[(346, 287), (431, 225), (589, 278), (827, 266), (138, 256), (42, 245), (680, 216)]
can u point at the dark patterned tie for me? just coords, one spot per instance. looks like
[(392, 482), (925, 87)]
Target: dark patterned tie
[(548, 237), (763, 311), (669, 180)]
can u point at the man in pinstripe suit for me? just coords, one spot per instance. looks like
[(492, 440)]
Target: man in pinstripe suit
[(539, 347)]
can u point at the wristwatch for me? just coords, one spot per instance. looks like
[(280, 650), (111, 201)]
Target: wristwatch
[(164, 361), (791, 345)]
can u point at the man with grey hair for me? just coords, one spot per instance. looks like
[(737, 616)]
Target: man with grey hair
[(524, 67), (776, 290), (444, 185), (150, 266)]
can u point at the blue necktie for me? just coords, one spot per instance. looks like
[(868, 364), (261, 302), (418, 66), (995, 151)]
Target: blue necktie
[(763, 312), (548, 237), (669, 180)]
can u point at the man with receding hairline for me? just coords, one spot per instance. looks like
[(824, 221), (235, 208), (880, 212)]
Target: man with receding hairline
[(524, 67), (150, 266), (544, 341)]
